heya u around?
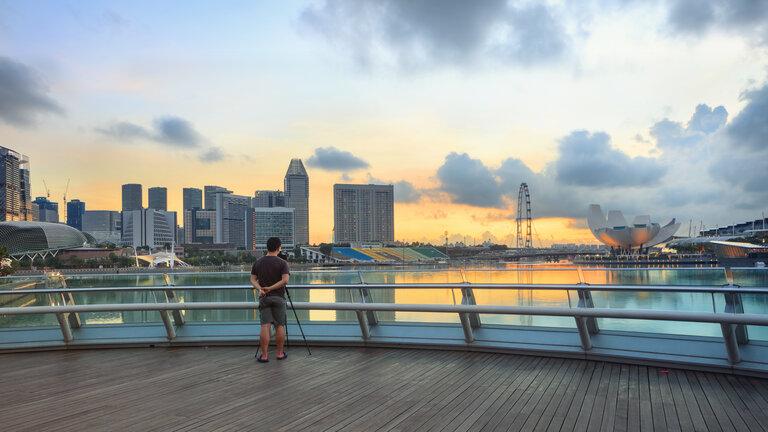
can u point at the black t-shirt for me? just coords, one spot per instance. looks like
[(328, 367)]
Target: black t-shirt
[(269, 270)]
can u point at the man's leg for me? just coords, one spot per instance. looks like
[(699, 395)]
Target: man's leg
[(264, 340), (280, 339)]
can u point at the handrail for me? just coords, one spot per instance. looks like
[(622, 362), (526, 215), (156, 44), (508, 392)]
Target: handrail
[(396, 270), (724, 289), (644, 314)]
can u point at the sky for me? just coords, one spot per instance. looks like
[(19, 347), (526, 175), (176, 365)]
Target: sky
[(653, 107)]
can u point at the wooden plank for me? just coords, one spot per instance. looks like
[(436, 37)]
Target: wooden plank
[(633, 403), (583, 416), (646, 407), (565, 418), (657, 403), (684, 391), (608, 422), (670, 411)]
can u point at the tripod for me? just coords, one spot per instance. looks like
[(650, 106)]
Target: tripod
[(288, 293)]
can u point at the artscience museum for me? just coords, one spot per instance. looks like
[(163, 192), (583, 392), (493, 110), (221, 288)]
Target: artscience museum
[(615, 232)]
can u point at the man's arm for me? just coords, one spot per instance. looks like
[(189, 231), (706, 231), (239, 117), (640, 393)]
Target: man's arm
[(256, 286), (281, 283)]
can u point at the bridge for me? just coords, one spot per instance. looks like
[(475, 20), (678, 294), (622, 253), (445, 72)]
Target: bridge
[(464, 368)]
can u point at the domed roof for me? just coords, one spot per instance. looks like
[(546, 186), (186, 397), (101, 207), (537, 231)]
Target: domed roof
[(614, 230), (29, 237)]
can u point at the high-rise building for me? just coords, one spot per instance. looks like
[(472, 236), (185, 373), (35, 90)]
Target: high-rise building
[(192, 198), (297, 197), (148, 228), (363, 213), (157, 198), (269, 198), (75, 211), (10, 185), (210, 195), (266, 222), (25, 190), (48, 211), (103, 225), (230, 218), (199, 226), (132, 197)]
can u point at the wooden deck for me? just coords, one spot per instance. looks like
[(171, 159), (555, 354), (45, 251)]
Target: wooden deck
[(223, 388)]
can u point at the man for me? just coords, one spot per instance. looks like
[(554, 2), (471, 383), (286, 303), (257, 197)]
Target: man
[(269, 276)]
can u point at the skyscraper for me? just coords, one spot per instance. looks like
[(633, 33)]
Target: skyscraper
[(269, 198), (265, 222), (297, 198), (132, 197), (148, 227), (230, 218), (363, 213), (157, 198), (199, 226), (75, 212), (26, 189), (192, 198), (48, 210), (210, 196), (103, 225), (10, 185)]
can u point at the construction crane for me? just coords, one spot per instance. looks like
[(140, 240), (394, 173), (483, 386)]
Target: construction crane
[(66, 189), (47, 191)]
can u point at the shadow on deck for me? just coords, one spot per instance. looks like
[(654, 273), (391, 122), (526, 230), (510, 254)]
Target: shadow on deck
[(224, 388)]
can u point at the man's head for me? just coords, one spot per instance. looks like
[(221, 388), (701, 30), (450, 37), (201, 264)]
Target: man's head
[(273, 245)]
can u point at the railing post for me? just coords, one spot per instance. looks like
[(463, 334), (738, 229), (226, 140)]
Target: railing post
[(734, 305), (169, 329), (468, 298), (466, 325), (58, 281), (66, 330), (585, 301), (170, 297), (364, 329), (365, 297), (731, 342), (586, 340)]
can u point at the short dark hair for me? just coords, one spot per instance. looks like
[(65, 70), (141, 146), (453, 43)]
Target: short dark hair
[(273, 244)]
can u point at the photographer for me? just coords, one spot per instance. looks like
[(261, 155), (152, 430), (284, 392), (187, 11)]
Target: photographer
[(269, 276)]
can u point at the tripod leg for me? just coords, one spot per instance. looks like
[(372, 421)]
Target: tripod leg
[(297, 321)]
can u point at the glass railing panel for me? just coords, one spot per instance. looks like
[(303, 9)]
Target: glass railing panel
[(752, 277), (413, 277), (26, 300), (705, 276), (524, 275), (527, 298)]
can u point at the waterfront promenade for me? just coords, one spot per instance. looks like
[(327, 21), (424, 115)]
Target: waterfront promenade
[(364, 389)]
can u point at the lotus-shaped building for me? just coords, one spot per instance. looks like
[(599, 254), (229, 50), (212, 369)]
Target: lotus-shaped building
[(615, 232)]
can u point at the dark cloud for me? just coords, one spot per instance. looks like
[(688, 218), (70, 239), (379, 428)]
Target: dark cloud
[(511, 173), (705, 120), (23, 95), (333, 159), (749, 129), (469, 181), (405, 192), (587, 159), (211, 155), (696, 17), (176, 131), (419, 32), (168, 130)]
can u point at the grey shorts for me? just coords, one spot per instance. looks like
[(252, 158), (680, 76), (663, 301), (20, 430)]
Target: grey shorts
[(272, 309)]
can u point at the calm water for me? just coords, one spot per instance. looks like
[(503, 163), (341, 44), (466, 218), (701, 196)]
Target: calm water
[(527, 297)]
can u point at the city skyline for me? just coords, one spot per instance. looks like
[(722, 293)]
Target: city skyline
[(643, 106)]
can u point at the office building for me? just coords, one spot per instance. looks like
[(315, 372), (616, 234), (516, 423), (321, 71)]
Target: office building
[(14, 186), (192, 198), (103, 225), (363, 213), (297, 197), (148, 228), (199, 226), (230, 218), (266, 222), (157, 198), (269, 198), (132, 197), (210, 196), (75, 211), (48, 211)]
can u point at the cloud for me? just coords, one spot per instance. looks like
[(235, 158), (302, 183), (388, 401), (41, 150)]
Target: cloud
[(419, 33), (23, 95), (749, 129), (704, 121), (405, 192), (168, 130), (587, 159), (469, 181), (333, 159), (696, 17), (211, 155)]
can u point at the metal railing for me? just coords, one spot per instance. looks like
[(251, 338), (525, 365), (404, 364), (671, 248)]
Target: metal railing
[(732, 321)]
